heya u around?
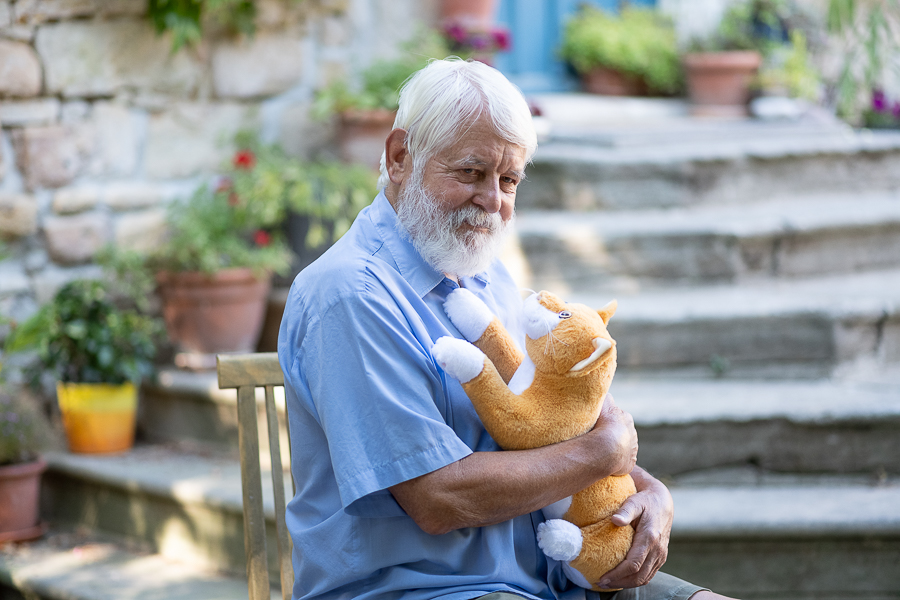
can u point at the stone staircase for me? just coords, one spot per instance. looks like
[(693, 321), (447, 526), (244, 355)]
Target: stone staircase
[(757, 269)]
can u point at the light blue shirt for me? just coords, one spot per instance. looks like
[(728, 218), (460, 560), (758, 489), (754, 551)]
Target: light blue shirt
[(369, 408)]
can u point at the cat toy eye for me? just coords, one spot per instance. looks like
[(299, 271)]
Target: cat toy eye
[(564, 314)]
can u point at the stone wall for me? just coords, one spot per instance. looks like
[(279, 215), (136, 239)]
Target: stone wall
[(102, 124)]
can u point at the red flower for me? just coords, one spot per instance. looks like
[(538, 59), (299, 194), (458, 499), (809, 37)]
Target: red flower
[(244, 159), (262, 238), (233, 199)]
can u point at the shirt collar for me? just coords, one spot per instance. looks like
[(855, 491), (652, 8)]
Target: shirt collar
[(415, 270), (421, 276)]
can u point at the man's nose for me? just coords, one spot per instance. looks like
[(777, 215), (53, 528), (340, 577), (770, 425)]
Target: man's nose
[(489, 196)]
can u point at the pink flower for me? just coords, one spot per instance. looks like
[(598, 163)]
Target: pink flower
[(456, 32), (224, 184), (479, 42), (502, 39)]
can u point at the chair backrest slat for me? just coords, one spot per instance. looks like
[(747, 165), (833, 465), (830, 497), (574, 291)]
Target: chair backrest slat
[(284, 540), (246, 372)]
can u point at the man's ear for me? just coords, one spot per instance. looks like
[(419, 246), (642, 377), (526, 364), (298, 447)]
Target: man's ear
[(397, 160)]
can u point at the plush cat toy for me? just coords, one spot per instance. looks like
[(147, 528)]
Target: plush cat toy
[(554, 393)]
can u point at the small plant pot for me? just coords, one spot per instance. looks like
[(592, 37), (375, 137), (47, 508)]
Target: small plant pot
[(20, 487), (98, 418), (468, 13), (719, 82), (610, 82), (208, 313), (362, 133)]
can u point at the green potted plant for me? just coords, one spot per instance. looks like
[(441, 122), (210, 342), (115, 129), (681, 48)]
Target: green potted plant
[(722, 68), (631, 53), (865, 33), (786, 77), (366, 109), (214, 271), (98, 353), (318, 202), (25, 432)]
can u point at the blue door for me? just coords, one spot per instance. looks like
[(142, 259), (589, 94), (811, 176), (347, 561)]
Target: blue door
[(536, 27)]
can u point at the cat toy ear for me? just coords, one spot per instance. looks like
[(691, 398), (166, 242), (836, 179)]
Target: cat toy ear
[(608, 311)]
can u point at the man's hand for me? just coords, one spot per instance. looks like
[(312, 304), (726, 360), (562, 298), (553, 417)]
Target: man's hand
[(650, 511), (617, 427)]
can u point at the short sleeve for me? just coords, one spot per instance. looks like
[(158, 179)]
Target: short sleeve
[(378, 397)]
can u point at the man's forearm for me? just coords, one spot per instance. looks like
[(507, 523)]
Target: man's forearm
[(490, 487)]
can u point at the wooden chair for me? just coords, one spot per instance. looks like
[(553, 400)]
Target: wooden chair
[(246, 372)]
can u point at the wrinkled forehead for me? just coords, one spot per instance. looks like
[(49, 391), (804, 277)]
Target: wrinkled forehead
[(474, 134)]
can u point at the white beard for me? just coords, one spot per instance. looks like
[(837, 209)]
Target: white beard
[(437, 235)]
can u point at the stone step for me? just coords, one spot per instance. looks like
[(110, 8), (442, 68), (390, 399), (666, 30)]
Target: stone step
[(751, 535), (810, 328), (828, 426), (734, 163), (813, 235), (188, 405), (182, 502), (744, 532), (781, 426), (68, 565)]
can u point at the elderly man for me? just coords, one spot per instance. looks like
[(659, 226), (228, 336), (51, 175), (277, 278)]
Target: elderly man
[(401, 493)]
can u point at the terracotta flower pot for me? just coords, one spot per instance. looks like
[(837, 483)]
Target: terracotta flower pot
[(719, 82), (468, 13), (211, 313), (610, 82), (20, 487), (99, 418), (362, 133)]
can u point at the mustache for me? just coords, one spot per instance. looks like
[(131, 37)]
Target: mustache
[(475, 217)]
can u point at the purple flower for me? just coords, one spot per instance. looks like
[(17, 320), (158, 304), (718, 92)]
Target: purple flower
[(879, 101), (896, 110), (480, 43)]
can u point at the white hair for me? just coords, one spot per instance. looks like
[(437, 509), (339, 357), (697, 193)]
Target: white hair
[(438, 101)]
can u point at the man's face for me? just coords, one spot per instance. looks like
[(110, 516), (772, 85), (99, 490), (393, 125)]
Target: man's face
[(458, 209), (481, 169)]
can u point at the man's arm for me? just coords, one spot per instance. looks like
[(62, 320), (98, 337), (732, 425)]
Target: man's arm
[(490, 487)]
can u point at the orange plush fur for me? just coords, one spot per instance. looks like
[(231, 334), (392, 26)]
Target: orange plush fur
[(560, 403)]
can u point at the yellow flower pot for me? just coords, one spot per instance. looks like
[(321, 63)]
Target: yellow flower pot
[(98, 417)]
